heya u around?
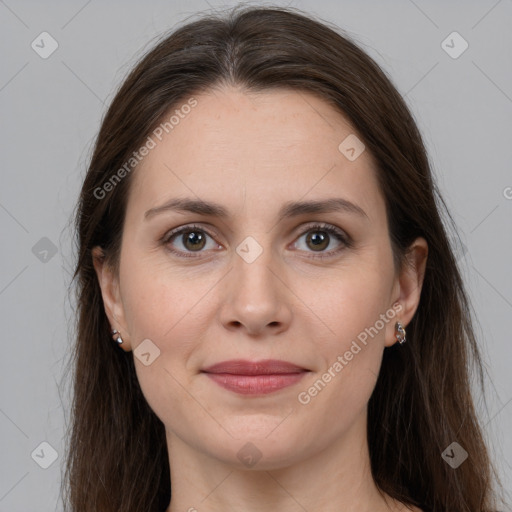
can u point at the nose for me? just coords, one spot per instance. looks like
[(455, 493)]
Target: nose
[(255, 297)]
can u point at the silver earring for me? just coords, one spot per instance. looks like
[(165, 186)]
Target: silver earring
[(400, 333), (117, 336)]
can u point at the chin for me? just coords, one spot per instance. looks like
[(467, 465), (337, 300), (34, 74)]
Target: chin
[(260, 447)]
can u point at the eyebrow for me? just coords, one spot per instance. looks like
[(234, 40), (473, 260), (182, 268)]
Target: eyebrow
[(288, 210)]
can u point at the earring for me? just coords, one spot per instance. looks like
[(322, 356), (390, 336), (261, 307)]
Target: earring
[(117, 336), (400, 333)]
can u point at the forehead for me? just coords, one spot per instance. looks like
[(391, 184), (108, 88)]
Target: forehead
[(272, 145)]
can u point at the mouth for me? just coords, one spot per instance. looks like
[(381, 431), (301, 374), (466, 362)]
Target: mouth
[(255, 378)]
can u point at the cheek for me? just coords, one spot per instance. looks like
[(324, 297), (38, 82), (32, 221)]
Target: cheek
[(163, 308), (352, 355), (355, 306), (349, 302), (157, 299)]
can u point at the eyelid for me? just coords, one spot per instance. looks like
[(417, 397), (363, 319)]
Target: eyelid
[(343, 237), (320, 226), (164, 240), (186, 227)]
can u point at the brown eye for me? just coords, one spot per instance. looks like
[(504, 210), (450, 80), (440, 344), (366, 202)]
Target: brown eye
[(193, 240), (187, 240), (319, 240), (319, 237)]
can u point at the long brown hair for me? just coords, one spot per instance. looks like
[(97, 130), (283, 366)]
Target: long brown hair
[(116, 453)]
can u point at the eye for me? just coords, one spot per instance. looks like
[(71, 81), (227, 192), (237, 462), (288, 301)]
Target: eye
[(191, 238), (320, 236)]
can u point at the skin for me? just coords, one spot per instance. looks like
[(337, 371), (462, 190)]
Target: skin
[(253, 152)]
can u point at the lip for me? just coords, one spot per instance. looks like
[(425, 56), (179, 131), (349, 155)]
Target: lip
[(255, 378), (263, 367)]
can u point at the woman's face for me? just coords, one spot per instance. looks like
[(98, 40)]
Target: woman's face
[(263, 281)]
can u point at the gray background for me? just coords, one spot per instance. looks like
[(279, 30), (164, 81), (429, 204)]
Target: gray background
[(51, 110)]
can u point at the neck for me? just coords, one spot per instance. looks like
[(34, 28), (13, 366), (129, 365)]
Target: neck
[(336, 478)]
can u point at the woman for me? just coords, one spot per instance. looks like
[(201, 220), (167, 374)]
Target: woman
[(270, 312)]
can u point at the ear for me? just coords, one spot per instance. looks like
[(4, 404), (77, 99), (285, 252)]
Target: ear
[(408, 285), (109, 284)]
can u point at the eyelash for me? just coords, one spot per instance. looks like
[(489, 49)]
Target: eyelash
[(327, 228)]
